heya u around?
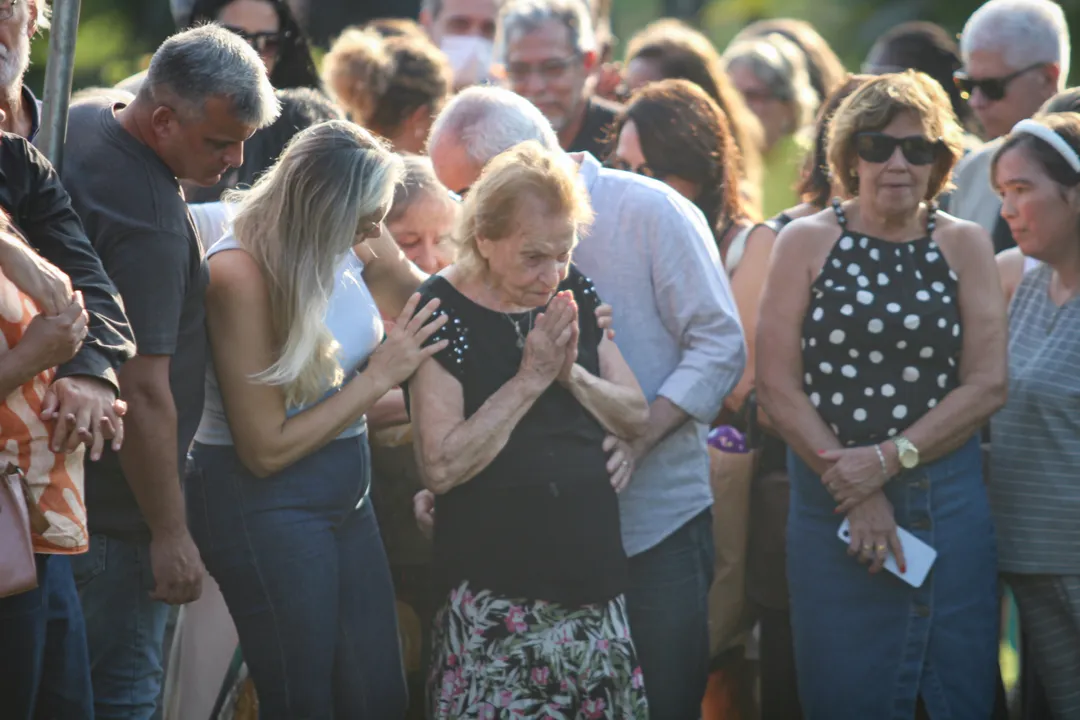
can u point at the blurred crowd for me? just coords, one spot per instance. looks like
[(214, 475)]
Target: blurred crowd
[(464, 370)]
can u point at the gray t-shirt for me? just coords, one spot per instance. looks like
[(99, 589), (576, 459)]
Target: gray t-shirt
[(135, 216), (1035, 448)]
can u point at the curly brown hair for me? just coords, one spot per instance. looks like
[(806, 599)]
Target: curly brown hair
[(383, 80)]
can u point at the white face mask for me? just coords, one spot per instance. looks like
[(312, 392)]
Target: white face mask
[(470, 58)]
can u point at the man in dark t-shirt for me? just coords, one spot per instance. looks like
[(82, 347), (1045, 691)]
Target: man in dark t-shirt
[(205, 93), (549, 52)]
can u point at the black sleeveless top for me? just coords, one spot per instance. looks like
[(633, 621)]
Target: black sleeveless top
[(541, 521), (882, 335)]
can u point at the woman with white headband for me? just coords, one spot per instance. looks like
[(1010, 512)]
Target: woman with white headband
[(1035, 481)]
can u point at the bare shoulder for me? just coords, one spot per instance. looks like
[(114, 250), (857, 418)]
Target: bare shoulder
[(963, 242), (235, 275), (809, 235), (1010, 265)]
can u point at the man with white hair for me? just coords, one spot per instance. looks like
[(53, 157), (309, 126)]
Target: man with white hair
[(652, 257), (1016, 57), (20, 20), (549, 51), (205, 93)]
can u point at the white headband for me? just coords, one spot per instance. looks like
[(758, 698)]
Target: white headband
[(1051, 138)]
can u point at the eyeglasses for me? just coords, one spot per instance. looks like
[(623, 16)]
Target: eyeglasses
[(7, 9), (617, 163), (262, 42), (549, 70), (993, 88), (875, 147)]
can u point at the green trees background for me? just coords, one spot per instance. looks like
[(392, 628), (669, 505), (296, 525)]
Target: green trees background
[(116, 37)]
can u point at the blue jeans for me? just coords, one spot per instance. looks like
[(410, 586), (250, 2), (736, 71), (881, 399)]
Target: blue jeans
[(667, 602), (303, 571), (124, 627), (44, 670)]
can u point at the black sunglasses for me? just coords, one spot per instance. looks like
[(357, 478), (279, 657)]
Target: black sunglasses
[(992, 88), (878, 147), (261, 42)]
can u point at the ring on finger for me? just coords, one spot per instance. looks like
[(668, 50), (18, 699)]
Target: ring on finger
[(880, 548)]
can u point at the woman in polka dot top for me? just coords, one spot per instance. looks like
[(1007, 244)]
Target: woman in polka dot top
[(881, 353)]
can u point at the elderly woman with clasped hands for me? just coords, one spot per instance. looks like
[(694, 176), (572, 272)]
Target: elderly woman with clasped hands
[(510, 421)]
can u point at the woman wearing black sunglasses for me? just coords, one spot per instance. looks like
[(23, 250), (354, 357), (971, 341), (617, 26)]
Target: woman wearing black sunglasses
[(270, 27), (885, 329)]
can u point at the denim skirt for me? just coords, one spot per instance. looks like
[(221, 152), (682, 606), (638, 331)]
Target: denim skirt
[(867, 646)]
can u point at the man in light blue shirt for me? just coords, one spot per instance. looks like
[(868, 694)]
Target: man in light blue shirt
[(652, 257)]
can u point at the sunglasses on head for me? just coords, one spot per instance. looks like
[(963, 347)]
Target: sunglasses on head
[(992, 88), (261, 42), (876, 147)]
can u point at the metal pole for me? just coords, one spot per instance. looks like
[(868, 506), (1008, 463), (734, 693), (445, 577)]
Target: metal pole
[(58, 73)]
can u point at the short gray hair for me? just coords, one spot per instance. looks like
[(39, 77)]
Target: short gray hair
[(489, 120), (1026, 32), (209, 61), (521, 16)]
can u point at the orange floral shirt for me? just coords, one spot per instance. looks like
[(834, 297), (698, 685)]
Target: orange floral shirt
[(55, 480)]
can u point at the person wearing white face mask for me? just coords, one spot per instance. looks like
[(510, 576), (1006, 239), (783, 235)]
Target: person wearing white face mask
[(464, 30)]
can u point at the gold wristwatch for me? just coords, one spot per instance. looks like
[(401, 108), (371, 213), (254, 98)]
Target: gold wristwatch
[(907, 453)]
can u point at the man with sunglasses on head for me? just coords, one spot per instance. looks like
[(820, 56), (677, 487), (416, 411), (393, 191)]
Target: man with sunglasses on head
[(549, 51), (1016, 57)]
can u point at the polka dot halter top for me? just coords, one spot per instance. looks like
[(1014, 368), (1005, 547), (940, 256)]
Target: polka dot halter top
[(881, 338)]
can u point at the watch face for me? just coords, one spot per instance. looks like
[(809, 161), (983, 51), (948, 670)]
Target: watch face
[(909, 457)]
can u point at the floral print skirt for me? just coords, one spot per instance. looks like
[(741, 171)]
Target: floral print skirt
[(496, 657)]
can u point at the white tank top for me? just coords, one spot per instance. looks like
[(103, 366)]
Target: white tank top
[(353, 320)]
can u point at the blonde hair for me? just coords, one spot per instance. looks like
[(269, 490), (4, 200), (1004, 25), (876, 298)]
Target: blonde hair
[(526, 171), (876, 104), (297, 222)]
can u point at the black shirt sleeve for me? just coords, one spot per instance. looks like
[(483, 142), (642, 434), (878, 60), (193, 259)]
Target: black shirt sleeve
[(42, 209), (587, 300), (451, 357), (153, 272)]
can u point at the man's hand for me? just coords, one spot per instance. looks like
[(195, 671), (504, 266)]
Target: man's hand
[(604, 315), (86, 410), (423, 505), (620, 465), (178, 569)]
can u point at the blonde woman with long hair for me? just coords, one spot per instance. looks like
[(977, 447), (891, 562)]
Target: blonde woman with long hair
[(278, 488)]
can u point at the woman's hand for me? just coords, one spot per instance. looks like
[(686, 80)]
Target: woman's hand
[(545, 347), (571, 353), (403, 350), (620, 465), (46, 284), (423, 505), (873, 532), (51, 341), (855, 475)]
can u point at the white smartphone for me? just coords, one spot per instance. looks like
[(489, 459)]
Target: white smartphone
[(920, 556)]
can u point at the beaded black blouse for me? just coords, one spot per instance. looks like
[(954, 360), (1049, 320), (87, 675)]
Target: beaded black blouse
[(542, 520), (882, 334)]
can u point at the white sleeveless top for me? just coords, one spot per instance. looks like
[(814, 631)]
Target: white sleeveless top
[(353, 320)]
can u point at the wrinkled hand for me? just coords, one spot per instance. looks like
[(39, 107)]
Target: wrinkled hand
[(854, 476), (53, 340), (423, 505), (605, 319), (45, 283), (86, 410), (545, 347), (178, 569), (620, 464), (873, 533), (571, 352), (397, 358)]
